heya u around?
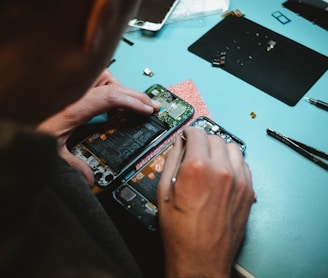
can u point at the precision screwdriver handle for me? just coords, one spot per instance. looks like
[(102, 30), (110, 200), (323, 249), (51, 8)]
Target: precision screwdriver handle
[(321, 104), (318, 103)]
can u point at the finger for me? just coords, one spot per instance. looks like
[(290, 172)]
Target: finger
[(121, 90), (101, 99), (177, 165), (240, 168), (132, 100), (243, 196), (196, 144), (218, 151)]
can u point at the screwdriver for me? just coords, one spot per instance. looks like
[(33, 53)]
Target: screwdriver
[(319, 103)]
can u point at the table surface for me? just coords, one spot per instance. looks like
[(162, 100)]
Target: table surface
[(288, 226)]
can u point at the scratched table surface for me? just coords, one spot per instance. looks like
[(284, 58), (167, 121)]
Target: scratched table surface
[(288, 226)]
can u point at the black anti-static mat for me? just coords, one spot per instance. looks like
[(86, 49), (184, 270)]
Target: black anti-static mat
[(267, 60)]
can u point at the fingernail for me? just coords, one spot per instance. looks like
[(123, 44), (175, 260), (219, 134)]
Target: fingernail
[(149, 108), (156, 103)]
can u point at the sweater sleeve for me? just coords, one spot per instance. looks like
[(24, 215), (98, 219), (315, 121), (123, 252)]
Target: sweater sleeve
[(51, 223)]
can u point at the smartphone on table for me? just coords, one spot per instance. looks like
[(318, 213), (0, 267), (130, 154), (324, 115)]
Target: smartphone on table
[(153, 14), (127, 137), (138, 194)]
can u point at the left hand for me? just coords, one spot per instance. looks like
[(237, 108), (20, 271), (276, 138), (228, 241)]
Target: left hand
[(105, 94)]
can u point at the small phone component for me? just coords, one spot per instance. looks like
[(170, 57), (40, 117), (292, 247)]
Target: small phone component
[(280, 17), (219, 59), (126, 137), (212, 128), (102, 173), (138, 194), (148, 72), (173, 109), (237, 13)]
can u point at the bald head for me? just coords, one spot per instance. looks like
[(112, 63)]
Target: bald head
[(51, 52)]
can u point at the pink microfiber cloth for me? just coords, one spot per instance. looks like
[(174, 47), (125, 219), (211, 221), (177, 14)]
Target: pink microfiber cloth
[(188, 92)]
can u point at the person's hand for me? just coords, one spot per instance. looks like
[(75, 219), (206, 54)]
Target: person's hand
[(204, 219), (106, 93)]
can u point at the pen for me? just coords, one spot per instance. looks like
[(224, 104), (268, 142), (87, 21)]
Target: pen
[(305, 150), (319, 103), (175, 174)]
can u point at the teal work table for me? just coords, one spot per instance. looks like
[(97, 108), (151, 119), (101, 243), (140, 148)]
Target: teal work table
[(288, 227)]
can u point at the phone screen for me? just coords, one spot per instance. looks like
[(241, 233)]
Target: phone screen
[(152, 14), (154, 10)]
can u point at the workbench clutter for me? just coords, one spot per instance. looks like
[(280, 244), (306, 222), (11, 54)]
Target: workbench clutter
[(154, 14), (189, 9), (275, 64)]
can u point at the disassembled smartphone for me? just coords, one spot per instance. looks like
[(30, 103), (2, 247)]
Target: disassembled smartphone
[(152, 14), (126, 137), (138, 194), (213, 128)]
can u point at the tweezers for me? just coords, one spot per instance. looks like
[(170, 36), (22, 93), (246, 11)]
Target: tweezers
[(308, 152), (176, 171)]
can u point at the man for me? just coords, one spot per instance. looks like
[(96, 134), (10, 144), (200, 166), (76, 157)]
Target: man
[(51, 52)]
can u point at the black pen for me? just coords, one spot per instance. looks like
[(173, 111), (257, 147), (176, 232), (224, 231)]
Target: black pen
[(305, 150), (319, 103)]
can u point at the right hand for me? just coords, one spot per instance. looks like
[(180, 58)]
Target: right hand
[(204, 221)]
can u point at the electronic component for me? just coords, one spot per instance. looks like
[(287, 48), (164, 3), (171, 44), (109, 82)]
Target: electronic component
[(219, 60), (255, 54), (138, 194), (237, 13), (126, 137), (271, 45), (280, 17), (148, 72), (212, 128)]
